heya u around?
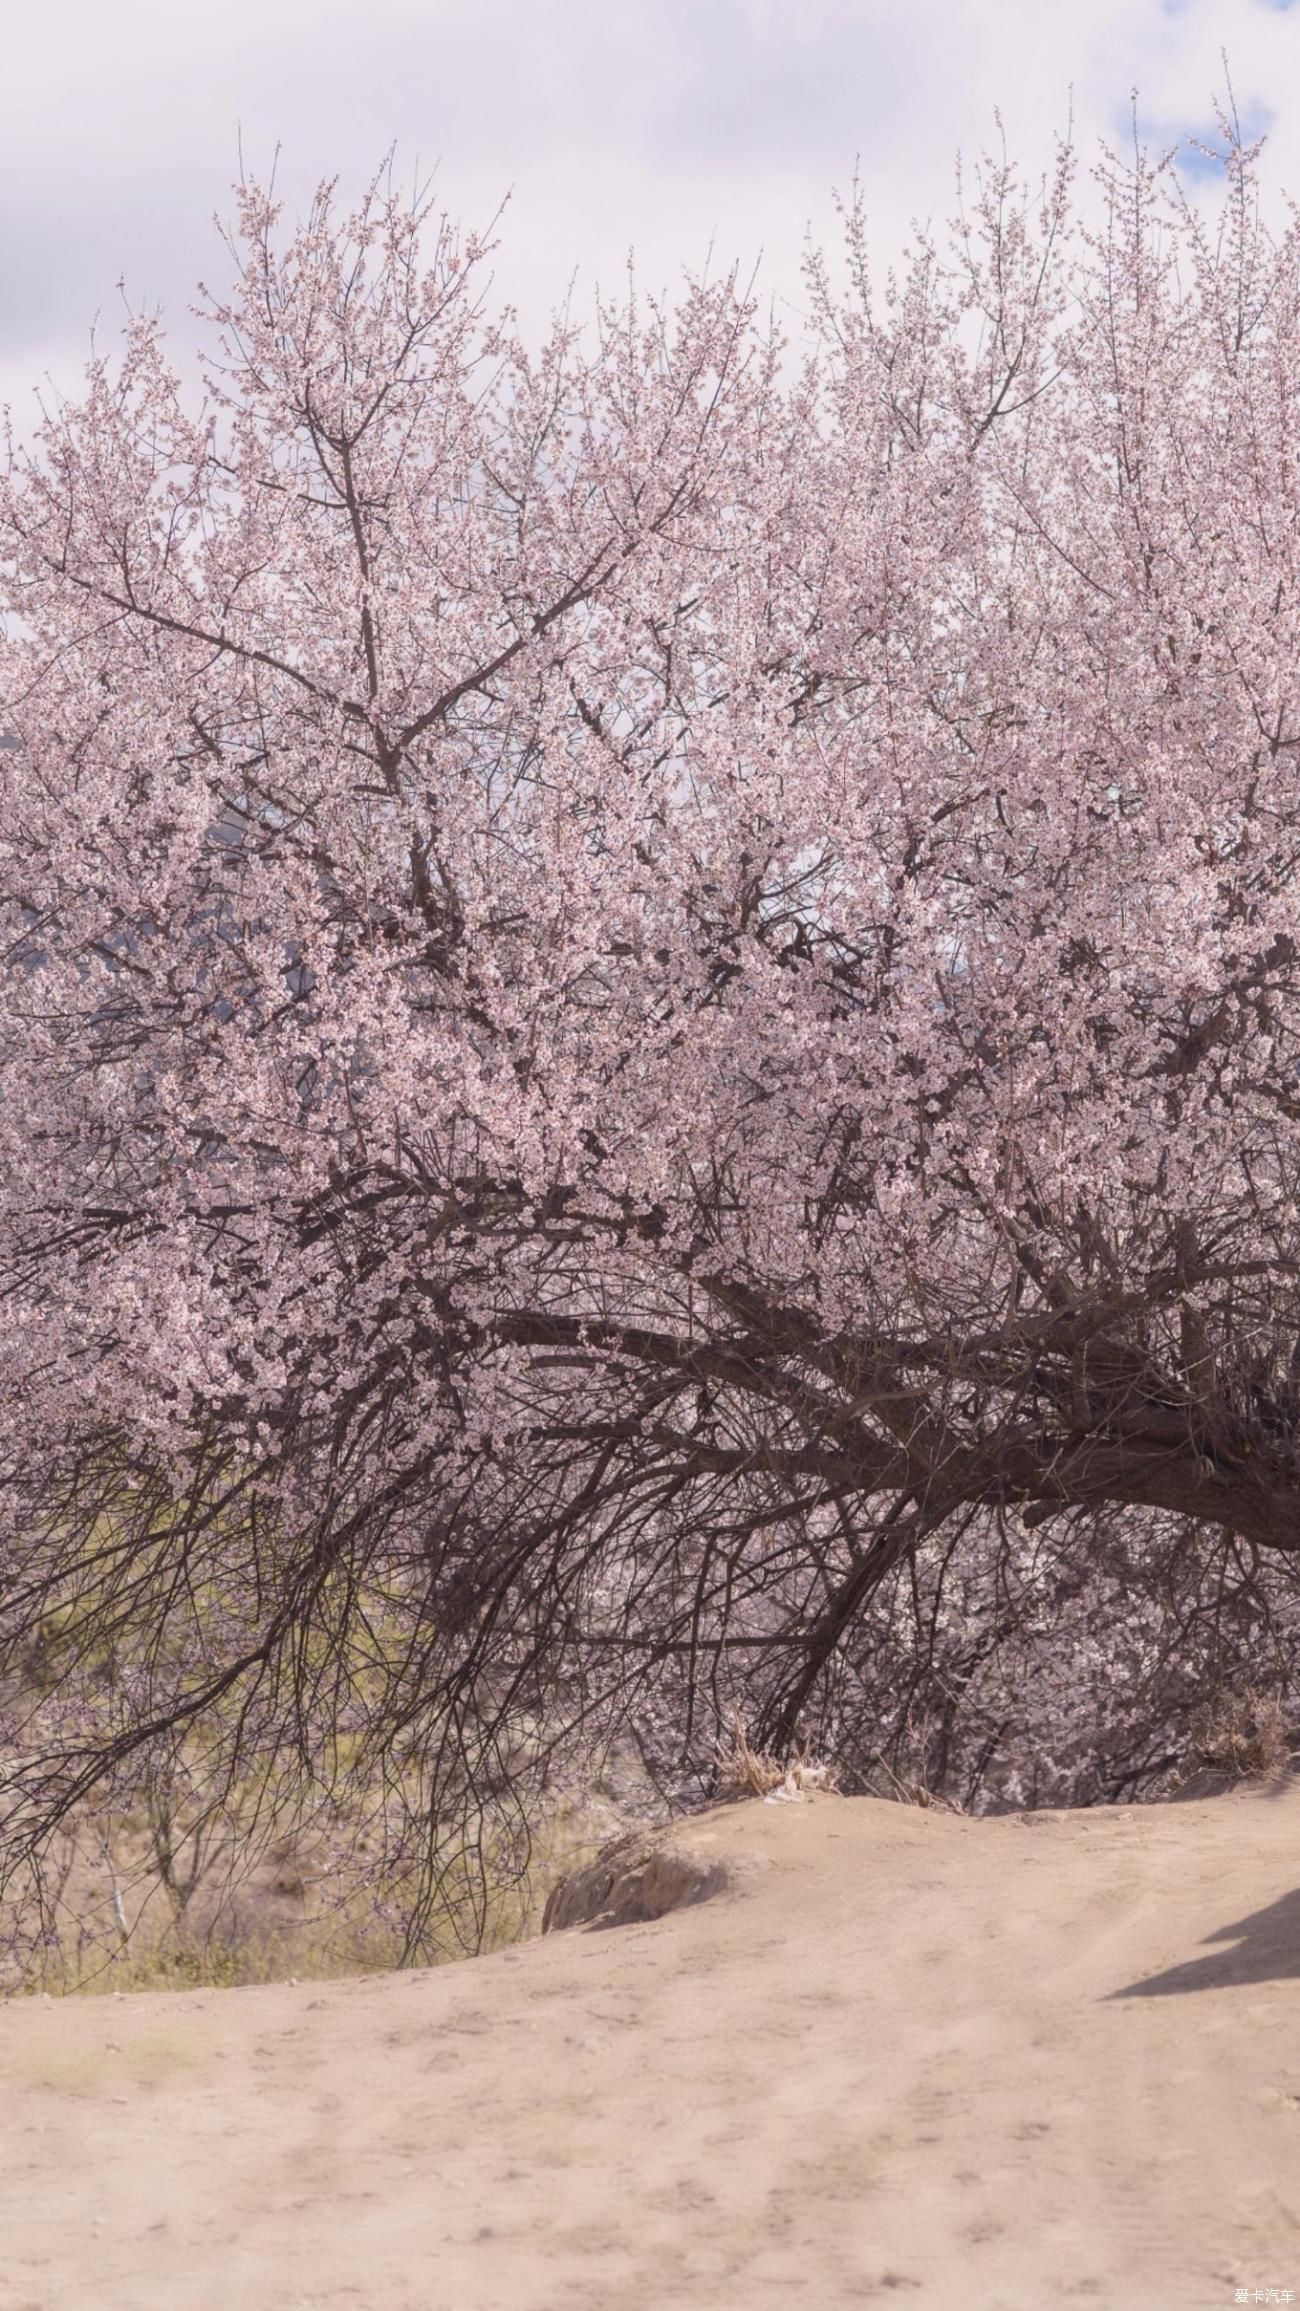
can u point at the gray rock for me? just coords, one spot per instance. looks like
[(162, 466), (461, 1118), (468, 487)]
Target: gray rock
[(635, 1879)]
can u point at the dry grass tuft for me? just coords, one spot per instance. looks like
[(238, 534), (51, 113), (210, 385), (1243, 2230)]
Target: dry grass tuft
[(908, 1789), (1244, 1735), (747, 1772)]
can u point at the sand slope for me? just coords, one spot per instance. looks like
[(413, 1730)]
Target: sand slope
[(904, 2059)]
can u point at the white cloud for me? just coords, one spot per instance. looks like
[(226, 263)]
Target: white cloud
[(661, 123)]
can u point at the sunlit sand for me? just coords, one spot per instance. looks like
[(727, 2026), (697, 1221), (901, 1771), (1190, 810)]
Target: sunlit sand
[(898, 2056)]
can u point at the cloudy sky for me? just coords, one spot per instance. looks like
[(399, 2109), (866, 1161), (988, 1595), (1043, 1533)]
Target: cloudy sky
[(665, 125)]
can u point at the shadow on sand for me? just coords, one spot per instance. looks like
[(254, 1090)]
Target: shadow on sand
[(1267, 1950)]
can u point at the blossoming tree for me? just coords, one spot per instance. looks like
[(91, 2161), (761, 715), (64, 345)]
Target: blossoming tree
[(642, 981)]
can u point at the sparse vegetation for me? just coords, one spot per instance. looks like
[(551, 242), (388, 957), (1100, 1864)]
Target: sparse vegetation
[(1246, 1736)]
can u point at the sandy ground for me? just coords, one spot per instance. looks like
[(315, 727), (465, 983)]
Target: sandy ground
[(903, 2059)]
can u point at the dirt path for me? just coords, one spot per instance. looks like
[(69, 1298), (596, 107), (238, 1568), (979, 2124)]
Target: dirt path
[(906, 2059)]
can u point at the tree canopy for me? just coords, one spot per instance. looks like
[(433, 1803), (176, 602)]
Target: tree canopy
[(650, 988)]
